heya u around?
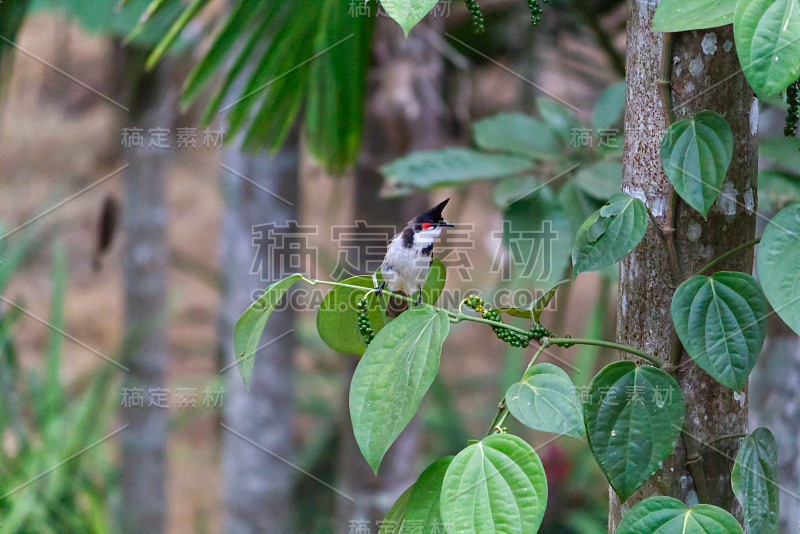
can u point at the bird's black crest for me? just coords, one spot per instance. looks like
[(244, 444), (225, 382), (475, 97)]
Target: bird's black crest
[(433, 215)]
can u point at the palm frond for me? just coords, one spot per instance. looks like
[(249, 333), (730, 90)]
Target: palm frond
[(276, 60)]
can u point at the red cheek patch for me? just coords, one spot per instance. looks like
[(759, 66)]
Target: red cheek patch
[(426, 226)]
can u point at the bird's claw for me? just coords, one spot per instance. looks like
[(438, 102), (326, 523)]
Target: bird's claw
[(379, 289), (419, 299)]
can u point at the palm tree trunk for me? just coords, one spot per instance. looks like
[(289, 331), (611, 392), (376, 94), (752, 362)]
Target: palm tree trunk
[(258, 189), (145, 262)]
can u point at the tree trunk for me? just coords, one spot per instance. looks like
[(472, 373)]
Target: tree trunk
[(699, 80), (404, 113), (775, 403), (258, 425), (145, 262)]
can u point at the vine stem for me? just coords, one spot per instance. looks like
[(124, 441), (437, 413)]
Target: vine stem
[(385, 291), (726, 436), (458, 317), (731, 252), (694, 462), (665, 90), (464, 317), (653, 219), (608, 344)]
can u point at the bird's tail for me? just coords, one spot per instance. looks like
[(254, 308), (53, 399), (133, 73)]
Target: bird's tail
[(396, 305)]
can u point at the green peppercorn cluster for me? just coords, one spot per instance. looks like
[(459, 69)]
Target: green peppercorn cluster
[(793, 109), (478, 24), (513, 338), (364, 326), (536, 12)]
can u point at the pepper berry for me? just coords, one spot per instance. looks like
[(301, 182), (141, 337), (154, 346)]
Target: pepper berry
[(793, 109), (536, 12), (364, 325), (478, 23), (512, 337)]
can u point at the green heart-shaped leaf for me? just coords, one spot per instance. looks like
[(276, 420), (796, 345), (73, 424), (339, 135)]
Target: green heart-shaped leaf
[(452, 166), (601, 180), (696, 154), (407, 13), (417, 509), (434, 283), (610, 233), (546, 400), (540, 305), (396, 370), (777, 189), (522, 313), (250, 326), (721, 321), (496, 485), (783, 153), (684, 15), (666, 515), (337, 317), (538, 235), (537, 308), (767, 34), (509, 190), (517, 133), (559, 116), (393, 520), (633, 416), (754, 481), (610, 107), (778, 260), (423, 511)]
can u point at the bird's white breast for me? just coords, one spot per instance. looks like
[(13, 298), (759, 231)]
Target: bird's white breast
[(406, 268)]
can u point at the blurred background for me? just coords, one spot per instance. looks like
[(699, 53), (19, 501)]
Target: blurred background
[(134, 234)]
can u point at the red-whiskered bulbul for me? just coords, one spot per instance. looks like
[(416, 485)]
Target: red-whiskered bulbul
[(409, 255)]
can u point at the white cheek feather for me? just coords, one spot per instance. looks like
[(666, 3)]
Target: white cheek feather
[(424, 238)]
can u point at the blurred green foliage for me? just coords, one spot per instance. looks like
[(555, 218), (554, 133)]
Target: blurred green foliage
[(56, 474), (113, 18)]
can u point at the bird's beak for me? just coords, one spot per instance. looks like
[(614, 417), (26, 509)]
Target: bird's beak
[(445, 223)]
